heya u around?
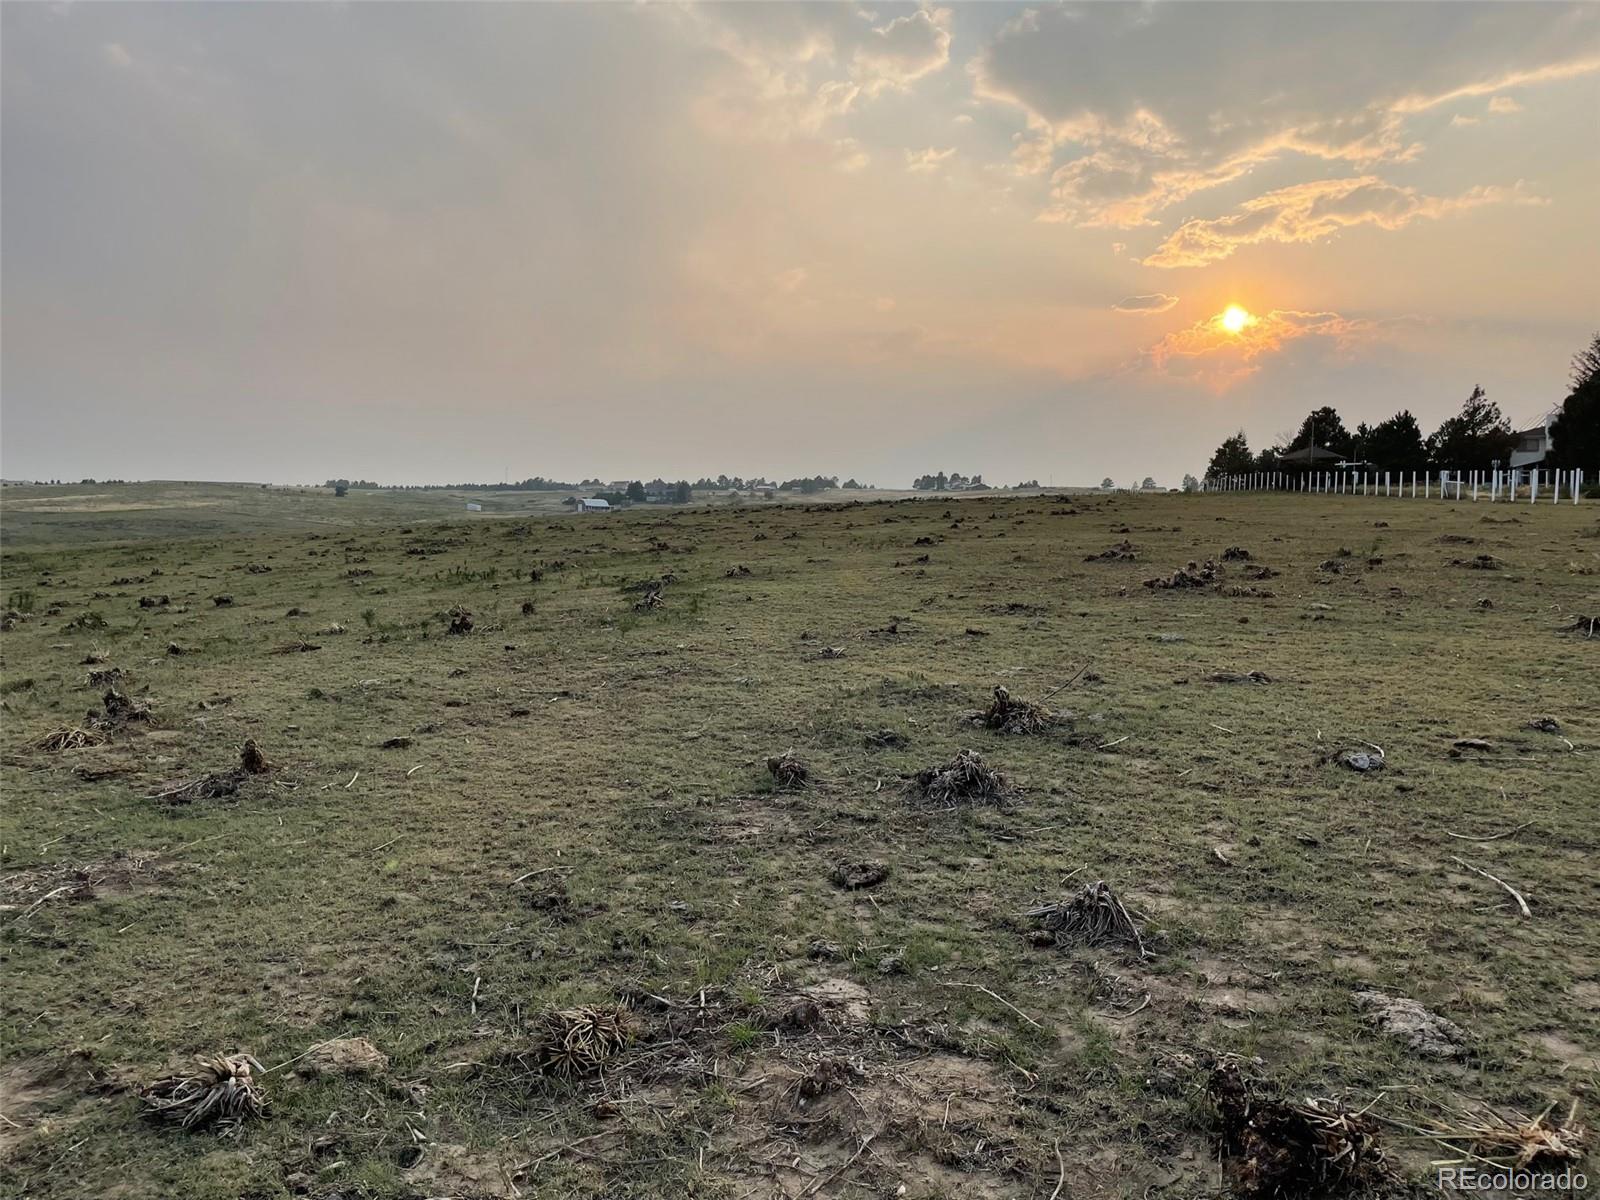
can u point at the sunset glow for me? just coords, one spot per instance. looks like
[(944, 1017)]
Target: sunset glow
[(1235, 319), (675, 240)]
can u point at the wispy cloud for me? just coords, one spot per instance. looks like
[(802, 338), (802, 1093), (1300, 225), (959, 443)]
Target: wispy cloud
[(1157, 302), (1309, 212), (930, 159), (1122, 117)]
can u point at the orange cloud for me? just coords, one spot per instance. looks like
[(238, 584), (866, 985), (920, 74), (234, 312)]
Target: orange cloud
[(1211, 354)]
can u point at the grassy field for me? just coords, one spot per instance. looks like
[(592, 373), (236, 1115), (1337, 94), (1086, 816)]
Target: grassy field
[(574, 808)]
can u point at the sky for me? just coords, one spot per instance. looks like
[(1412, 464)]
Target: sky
[(439, 243)]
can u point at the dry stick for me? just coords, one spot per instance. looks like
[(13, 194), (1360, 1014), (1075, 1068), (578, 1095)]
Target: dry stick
[(182, 787), (1061, 1171), (1493, 837), (1068, 683), (32, 908), (540, 871), (1001, 999), (1515, 895), (1124, 1016), (303, 1053)]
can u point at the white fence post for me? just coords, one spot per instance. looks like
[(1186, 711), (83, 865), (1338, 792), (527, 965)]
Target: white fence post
[(1533, 486), (1474, 487), (1555, 487)]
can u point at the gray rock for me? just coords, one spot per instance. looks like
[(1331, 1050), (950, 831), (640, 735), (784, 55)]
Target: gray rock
[(1422, 1031)]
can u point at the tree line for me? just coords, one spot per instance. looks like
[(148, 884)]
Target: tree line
[(1473, 439), (953, 482)]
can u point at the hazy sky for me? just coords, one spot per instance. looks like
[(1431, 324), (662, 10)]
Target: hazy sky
[(432, 242)]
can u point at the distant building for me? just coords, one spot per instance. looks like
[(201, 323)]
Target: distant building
[(594, 506), (474, 506), (1532, 445), (1310, 457), (764, 489)]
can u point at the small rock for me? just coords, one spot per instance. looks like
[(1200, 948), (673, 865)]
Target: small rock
[(1406, 1020), (1545, 724), (344, 1056)]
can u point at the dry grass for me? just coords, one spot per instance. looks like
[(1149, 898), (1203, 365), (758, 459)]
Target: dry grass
[(571, 822)]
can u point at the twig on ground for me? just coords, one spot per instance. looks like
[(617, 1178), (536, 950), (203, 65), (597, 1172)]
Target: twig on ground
[(1068, 683), (1493, 837), (978, 987), (1515, 895)]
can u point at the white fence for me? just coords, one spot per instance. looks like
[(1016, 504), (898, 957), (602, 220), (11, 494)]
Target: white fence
[(1533, 484)]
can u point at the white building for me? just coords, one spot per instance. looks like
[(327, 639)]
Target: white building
[(594, 506)]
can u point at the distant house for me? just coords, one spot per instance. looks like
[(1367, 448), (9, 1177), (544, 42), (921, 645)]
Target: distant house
[(764, 489), (474, 506), (594, 506), (1532, 445)]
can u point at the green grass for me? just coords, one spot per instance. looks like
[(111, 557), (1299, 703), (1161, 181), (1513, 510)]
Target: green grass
[(368, 891)]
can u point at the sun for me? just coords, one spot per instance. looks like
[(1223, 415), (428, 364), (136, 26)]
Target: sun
[(1235, 319)]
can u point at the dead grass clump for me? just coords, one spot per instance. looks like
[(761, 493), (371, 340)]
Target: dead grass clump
[(69, 737), (298, 646), (1273, 1148), (1515, 1141), (1236, 554), (222, 1091), (1094, 917), (826, 1073), (109, 677), (222, 601), (1238, 677), (1194, 575), (251, 760), (1545, 725), (460, 621), (577, 1042), (857, 875), (788, 771), (215, 786), (121, 709), (1123, 551), (154, 601), (1480, 562), (736, 572), (1005, 715), (1583, 625), (964, 780), (886, 739)]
